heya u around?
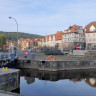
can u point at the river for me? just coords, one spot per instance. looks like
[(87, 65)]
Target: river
[(61, 83)]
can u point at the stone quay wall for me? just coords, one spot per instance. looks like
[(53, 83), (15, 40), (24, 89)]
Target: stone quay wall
[(56, 65), (9, 80)]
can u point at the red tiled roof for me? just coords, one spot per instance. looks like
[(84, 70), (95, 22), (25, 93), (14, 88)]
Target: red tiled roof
[(87, 27), (50, 36), (33, 40), (24, 40), (72, 29), (58, 35), (38, 39), (27, 40)]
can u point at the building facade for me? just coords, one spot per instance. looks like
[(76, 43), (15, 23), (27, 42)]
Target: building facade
[(23, 43), (54, 41), (90, 35), (58, 38), (73, 36)]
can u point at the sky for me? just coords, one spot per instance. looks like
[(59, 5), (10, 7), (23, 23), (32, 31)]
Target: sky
[(44, 17)]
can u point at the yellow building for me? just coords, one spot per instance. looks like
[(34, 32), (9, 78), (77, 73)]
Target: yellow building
[(24, 43)]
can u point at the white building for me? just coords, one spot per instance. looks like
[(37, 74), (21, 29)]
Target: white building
[(73, 36), (90, 34)]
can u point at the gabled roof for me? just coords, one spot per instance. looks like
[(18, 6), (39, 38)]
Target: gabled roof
[(87, 27)]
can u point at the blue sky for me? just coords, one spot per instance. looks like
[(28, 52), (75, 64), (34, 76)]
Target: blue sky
[(45, 16)]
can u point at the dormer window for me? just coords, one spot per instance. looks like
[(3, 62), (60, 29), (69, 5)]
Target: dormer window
[(92, 28)]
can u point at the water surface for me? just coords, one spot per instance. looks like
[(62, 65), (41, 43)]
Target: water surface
[(61, 83)]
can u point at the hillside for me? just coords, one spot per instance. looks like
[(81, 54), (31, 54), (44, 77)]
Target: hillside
[(12, 36)]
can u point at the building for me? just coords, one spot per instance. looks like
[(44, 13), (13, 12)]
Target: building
[(48, 40), (58, 38), (8, 44), (32, 43), (90, 35), (73, 36), (38, 42), (24, 43), (54, 40), (43, 43)]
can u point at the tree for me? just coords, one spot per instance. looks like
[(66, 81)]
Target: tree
[(2, 40)]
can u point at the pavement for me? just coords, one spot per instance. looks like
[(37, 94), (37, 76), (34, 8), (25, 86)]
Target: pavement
[(2, 72)]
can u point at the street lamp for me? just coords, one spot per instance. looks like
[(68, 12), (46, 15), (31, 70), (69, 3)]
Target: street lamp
[(17, 28)]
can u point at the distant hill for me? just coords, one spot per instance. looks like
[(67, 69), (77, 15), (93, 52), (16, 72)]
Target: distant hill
[(12, 36)]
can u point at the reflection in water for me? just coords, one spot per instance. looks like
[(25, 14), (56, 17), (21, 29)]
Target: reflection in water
[(61, 83), (29, 80), (76, 80), (73, 75), (91, 81)]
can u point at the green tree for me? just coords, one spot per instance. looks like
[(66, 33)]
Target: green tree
[(2, 40)]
